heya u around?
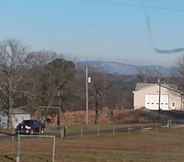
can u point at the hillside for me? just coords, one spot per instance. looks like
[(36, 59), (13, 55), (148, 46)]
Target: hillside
[(128, 69)]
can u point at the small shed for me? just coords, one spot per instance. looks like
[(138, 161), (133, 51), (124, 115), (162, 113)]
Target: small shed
[(18, 115), (3, 120)]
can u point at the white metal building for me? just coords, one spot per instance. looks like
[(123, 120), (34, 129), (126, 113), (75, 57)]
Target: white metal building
[(18, 115), (146, 95)]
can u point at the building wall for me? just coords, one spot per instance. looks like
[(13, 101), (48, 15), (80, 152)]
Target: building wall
[(3, 121), (175, 101), (18, 118), (139, 99)]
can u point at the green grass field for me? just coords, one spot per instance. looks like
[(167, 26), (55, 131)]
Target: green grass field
[(163, 145)]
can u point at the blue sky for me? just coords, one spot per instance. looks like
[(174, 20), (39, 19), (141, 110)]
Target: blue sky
[(110, 30)]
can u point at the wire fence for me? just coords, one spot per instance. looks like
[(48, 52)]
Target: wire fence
[(27, 148), (98, 130)]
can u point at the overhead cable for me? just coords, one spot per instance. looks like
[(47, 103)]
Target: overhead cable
[(150, 34)]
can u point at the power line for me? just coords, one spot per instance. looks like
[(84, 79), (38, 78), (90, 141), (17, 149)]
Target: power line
[(150, 33), (153, 7), (149, 24)]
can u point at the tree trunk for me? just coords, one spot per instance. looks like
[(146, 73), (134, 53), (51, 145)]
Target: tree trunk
[(96, 112), (10, 104), (59, 118), (61, 109)]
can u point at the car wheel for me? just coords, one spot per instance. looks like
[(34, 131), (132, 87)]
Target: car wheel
[(43, 130)]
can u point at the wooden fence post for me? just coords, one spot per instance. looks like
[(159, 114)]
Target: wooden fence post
[(113, 130), (53, 149), (82, 131), (98, 130), (18, 148)]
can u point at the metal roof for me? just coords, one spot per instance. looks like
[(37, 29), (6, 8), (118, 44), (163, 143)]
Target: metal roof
[(171, 87)]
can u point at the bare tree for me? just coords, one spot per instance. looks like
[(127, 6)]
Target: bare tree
[(98, 89), (37, 75), (179, 80), (148, 75), (12, 59), (60, 73), (40, 58)]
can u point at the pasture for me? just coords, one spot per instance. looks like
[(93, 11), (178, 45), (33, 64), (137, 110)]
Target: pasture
[(157, 145)]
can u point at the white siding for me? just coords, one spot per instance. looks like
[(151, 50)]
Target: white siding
[(18, 118), (152, 102), (169, 100)]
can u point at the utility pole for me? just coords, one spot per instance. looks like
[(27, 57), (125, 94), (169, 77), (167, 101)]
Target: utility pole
[(87, 114), (159, 95)]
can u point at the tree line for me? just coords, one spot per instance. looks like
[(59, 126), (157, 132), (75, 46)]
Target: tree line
[(44, 80)]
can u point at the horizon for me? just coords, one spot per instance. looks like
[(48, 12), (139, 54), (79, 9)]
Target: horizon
[(131, 64), (109, 30)]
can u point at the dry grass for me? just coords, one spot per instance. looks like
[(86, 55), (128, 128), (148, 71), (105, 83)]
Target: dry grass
[(164, 145)]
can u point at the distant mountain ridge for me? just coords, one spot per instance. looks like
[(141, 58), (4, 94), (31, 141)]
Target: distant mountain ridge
[(128, 69)]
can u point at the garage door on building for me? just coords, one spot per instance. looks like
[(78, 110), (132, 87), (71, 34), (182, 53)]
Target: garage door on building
[(151, 102)]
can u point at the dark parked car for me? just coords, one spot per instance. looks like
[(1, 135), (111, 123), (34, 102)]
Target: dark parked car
[(30, 127)]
